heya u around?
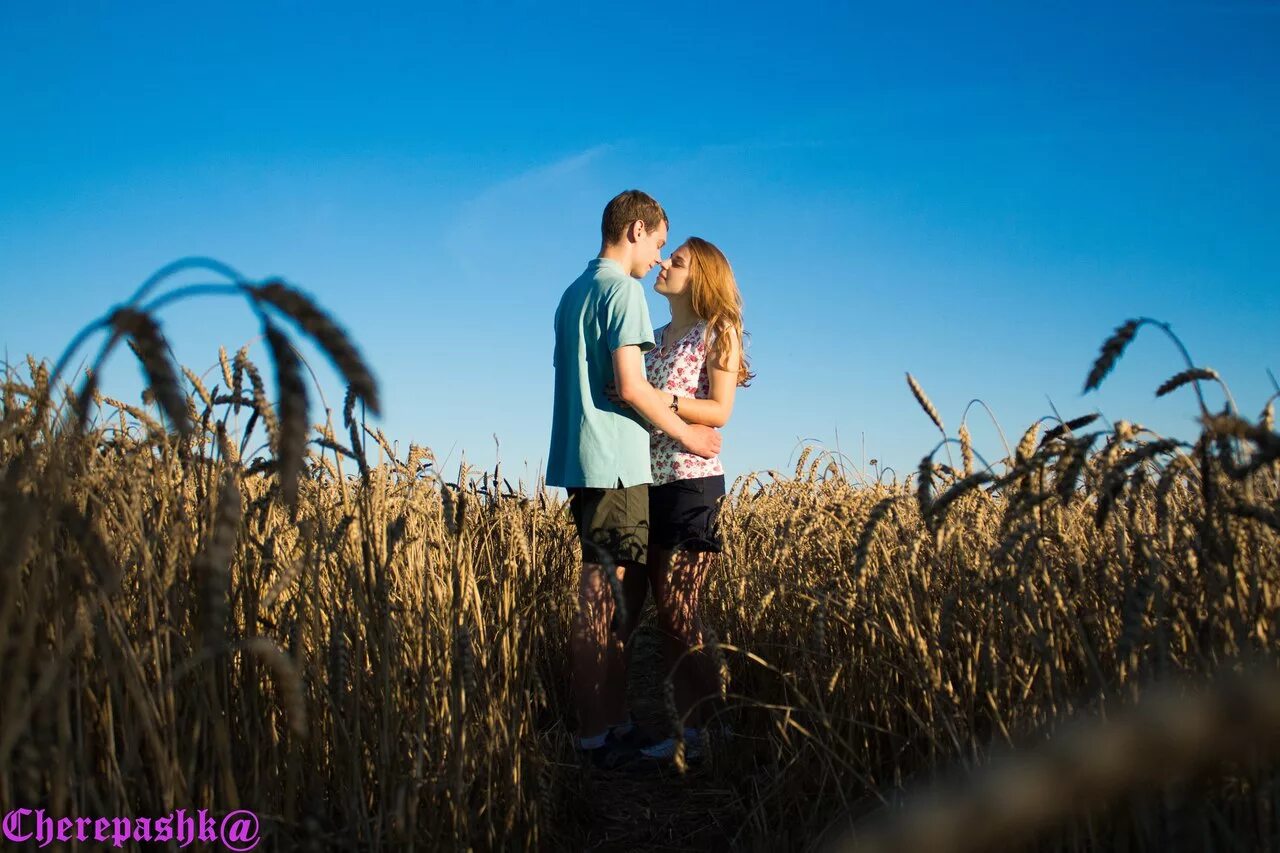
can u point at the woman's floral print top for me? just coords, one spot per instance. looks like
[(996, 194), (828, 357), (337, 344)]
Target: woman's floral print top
[(680, 368)]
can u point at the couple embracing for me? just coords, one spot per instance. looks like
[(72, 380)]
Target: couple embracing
[(634, 442)]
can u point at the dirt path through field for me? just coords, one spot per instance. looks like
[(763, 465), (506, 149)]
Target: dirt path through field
[(657, 809)]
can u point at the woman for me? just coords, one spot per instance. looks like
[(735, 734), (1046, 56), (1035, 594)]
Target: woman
[(699, 361)]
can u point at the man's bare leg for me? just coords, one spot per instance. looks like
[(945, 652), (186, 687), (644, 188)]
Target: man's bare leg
[(598, 651), (635, 586)]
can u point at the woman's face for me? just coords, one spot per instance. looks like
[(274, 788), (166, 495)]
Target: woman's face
[(673, 273)]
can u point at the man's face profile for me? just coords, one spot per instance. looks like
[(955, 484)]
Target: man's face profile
[(648, 249)]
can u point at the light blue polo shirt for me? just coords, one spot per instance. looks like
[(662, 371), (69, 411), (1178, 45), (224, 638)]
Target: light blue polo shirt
[(595, 443)]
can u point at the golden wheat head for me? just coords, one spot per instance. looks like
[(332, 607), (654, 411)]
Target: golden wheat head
[(925, 403)]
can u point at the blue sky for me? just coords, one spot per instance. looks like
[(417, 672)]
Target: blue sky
[(977, 195)]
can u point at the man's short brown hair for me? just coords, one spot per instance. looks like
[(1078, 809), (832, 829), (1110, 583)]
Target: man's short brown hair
[(627, 207)]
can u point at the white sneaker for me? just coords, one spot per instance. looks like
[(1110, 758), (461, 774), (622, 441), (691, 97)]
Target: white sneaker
[(665, 750)]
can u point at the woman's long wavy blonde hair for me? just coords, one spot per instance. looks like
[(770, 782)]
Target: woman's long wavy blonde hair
[(717, 301)]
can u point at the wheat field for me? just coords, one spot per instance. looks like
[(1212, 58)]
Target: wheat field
[(371, 653)]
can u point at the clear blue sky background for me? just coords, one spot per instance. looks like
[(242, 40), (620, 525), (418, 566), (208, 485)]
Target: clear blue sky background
[(975, 193)]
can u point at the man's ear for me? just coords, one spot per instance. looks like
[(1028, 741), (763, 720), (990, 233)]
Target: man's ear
[(635, 231)]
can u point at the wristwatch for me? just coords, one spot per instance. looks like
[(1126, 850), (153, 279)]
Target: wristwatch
[(675, 404)]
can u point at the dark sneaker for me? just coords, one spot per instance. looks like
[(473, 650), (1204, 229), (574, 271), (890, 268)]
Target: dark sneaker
[(633, 739)]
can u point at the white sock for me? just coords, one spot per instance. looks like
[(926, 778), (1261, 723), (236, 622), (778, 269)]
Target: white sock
[(594, 742)]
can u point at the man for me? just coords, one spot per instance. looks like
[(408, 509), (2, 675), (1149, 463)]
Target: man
[(600, 454)]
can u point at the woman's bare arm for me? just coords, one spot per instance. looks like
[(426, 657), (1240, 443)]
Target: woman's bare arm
[(634, 390), (716, 409)]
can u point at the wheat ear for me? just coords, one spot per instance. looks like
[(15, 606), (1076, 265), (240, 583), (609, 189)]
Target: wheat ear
[(325, 332), (925, 404), (293, 413), (153, 352), (1112, 349)]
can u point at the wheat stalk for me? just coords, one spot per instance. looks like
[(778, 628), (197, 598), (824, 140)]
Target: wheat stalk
[(293, 413), (153, 353), (325, 332), (1111, 351), (925, 404), (1176, 381), (214, 566), (966, 449)]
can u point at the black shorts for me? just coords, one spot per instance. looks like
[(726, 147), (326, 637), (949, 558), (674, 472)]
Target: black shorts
[(684, 515)]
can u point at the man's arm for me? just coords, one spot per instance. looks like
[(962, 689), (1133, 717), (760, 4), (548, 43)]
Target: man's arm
[(723, 380), (635, 391)]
